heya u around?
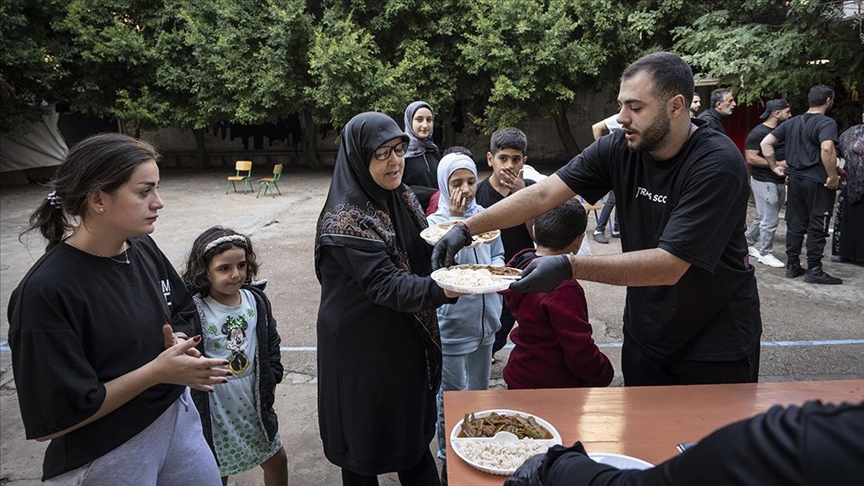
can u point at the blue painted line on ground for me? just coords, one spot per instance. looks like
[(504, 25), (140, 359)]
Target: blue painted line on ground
[(4, 345)]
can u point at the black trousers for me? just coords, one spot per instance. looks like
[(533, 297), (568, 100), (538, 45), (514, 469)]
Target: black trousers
[(640, 369), (424, 473), (808, 211)]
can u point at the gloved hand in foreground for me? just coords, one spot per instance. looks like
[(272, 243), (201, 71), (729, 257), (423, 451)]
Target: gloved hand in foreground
[(532, 471), (543, 274), (444, 252)]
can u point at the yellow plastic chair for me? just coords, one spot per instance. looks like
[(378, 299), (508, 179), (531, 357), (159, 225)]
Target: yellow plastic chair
[(265, 182), (241, 166)]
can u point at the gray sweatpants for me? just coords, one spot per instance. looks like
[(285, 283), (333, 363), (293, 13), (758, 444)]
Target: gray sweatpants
[(170, 452), (769, 197)]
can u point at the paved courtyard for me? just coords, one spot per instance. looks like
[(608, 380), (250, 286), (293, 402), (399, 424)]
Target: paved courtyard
[(811, 332)]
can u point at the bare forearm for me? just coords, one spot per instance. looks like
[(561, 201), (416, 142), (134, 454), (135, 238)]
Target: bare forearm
[(754, 159), (644, 268), (521, 206), (829, 160)]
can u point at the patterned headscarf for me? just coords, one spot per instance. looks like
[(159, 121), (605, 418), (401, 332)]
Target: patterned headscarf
[(446, 167), (361, 214), (416, 145)]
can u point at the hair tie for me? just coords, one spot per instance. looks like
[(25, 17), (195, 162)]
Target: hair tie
[(225, 239), (54, 200)]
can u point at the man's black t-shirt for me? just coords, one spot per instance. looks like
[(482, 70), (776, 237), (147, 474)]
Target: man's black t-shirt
[(804, 135), (754, 139), (693, 206), (516, 238), (77, 321)]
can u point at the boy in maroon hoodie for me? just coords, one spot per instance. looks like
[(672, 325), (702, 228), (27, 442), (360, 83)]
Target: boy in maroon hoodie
[(553, 343)]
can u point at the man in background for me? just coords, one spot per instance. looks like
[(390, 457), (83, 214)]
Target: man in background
[(695, 105), (722, 104)]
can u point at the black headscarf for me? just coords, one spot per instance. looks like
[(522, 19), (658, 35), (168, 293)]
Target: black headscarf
[(363, 215)]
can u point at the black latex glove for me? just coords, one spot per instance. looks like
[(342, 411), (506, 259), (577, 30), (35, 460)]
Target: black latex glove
[(532, 471), (444, 252), (543, 274)]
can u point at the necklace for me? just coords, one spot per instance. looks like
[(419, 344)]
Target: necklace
[(124, 261)]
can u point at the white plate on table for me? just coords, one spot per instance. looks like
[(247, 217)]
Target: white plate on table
[(462, 446), (619, 460), (475, 278), (435, 232)]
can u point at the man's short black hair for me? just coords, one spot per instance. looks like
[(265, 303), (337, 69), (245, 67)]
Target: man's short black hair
[(508, 138), (718, 95), (559, 227), (457, 149), (819, 95), (670, 74)]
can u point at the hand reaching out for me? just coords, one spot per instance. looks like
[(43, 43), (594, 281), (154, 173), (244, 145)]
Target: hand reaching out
[(444, 252)]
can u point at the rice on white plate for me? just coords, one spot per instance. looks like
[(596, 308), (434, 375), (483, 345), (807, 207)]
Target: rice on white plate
[(501, 455)]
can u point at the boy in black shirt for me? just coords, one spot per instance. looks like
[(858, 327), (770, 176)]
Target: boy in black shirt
[(506, 157), (692, 311)]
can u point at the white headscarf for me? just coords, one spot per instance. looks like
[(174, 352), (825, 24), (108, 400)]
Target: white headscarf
[(446, 167)]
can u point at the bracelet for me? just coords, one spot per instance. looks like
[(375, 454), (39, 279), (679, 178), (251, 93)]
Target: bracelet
[(572, 259)]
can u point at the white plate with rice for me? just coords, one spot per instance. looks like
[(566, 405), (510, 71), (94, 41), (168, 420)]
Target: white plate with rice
[(435, 232), (475, 278), (504, 452)]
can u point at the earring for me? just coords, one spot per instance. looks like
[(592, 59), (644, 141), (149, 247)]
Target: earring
[(101, 210)]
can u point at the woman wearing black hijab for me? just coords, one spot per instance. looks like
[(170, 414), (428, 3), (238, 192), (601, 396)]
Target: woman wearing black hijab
[(379, 353), (421, 161)]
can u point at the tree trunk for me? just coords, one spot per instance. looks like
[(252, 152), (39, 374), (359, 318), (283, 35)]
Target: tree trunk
[(200, 152), (310, 136), (563, 127)]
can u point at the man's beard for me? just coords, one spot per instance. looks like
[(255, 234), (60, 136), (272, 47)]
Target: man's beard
[(653, 136)]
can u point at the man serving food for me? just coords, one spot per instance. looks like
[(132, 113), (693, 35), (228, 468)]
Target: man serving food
[(692, 308)]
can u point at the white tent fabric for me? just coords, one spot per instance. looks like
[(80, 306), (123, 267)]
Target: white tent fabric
[(41, 146)]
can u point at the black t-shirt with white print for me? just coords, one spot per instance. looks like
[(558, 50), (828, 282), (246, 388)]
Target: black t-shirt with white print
[(693, 206), (77, 321)]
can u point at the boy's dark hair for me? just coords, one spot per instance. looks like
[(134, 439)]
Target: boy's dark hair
[(819, 94), (508, 138), (559, 227), (457, 149), (195, 273), (670, 74)]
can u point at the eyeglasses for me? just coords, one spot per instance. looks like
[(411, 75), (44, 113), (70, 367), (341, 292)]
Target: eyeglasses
[(384, 152)]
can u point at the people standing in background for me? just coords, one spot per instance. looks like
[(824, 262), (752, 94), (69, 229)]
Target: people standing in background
[(508, 149), (695, 105), (433, 200), (421, 159), (236, 323), (811, 159), (467, 326), (769, 189), (848, 238), (722, 104), (379, 350), (607, 125), (553, 347), (99, 370)]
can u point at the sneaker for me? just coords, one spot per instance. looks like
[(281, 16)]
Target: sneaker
[(794, 271), (754, 252), (600, 238), (616, 234), (771, 261), (821, 278)]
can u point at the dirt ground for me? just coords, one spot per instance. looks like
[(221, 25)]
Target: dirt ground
[(811, 332)]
